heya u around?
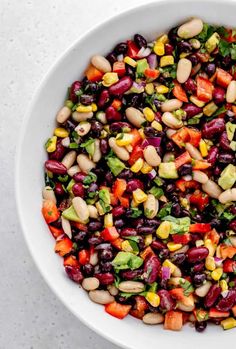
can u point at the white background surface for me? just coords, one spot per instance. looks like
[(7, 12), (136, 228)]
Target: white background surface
[(32, 35)]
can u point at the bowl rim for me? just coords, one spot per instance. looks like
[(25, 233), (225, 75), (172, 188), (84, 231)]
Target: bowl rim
[(53, 66)]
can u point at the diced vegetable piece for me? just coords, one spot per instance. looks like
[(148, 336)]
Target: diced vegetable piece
[(120, 311)]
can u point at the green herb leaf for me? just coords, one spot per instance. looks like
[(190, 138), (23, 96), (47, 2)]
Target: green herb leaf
[(115, 165), (117, 281), (63, 179), (178, 225), (133, 238), (105, 200), (195, 119), (48, 181), (233, 51), (74, 145), (206, 32), (222, 31), (126, 260), (89, 145), (224, 48), (90, 178), (75, 135), (135, 212), (158, 181), (157, 192), (187, 286), (165, 210)]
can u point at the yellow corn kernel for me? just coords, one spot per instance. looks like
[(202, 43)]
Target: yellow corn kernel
[(210, 109), (134, 203), (210, 263), (208, 244), (156, 125), (149, 88), (125, 246), (103, 134), (167, 263), (199, 243), (99, 208), (139, 196), (108, 220), (183, 55), (166, 60), (163, 230), (149, 114), (197, 101), (184, 202), (173, 247), (52, 144), (228, 323), (217, 273), (203, 148), (109, 79), (61, 132), (146, 168), (159, 48), (94, 107), (148, 240), (223, 285), (163, 38), (153, 299), (84, 108), (141, 132), (137, 165), (130, 61), (123, 139), (162, 89)]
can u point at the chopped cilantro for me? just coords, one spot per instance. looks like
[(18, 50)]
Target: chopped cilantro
[(187, 286), (135, 212), (157, 192), (165, 210)]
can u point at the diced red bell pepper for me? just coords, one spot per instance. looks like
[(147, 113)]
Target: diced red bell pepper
[(93, 74), (110, 234), (114, 200), (199, 199), (147, 253), (173, 320), (227, 251), (137, 153), (183, 185), (213, 236), (223, 78), (133, 49), (214, 313), (181, 137), (203, 57), (83, 257), (116, 104), (117, 243), (56, 232), (50, 211), (194, 136), (124, 200), (71, 260), (63, 246), (181, 239), (178, 294), (183, 159), (118, 310), (179, 92), (80, 226), (119, 68), (119, 187), (200, 165), (204, 89), (151, 73), (229, 266), (140, 307), (199, 228), (137, 139)]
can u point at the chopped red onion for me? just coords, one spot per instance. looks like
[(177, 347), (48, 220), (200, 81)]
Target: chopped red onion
[(144, 52), (120, 58), (152, 61), (155, 141), (152, 174), (165, 273)]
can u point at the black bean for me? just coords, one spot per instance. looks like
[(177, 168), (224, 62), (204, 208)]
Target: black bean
[(200, 326), (104, 146), (119, 223), (146, 230), (96, 128), (111, 57), (210, 69), (106, 255), (176, 210), (87, 99), (95, 225), (184, 46), (106, 267), (178, 258), (185, 170), (121, 48), (94, 240), (80, 236), (87, 269), (198, 279), (140, 41)]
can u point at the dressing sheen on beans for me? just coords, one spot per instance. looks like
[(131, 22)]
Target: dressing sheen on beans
[(140, 190)]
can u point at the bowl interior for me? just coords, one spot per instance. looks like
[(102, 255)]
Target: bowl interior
[(148, 20)]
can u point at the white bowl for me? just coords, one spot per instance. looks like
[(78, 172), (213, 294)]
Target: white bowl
[(148, 20)]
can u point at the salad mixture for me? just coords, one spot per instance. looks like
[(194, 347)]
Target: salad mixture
[(140, 178)]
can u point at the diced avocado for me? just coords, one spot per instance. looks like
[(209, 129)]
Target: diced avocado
[(70, 185), (126, 260), (142, 65), (230, 129), (167, 170), (178, 225), (115, 165), (228, 177), (105, 200), (70, 214), (212, 42)]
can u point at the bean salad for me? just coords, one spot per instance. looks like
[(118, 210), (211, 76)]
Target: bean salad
[(140, 190)]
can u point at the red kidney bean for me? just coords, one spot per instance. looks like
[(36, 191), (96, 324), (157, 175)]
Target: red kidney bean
[(96, 128), (55, 167), (227, 302), (146, 230), (151, 269), (118, 211), (79, 176), (153, 222), (191, 110), (123, 85), (224, 141), (213, 128), (119, 223), (218, 95), (95, 225), (112, 114), (213, 155), (197, 254), (128, 232), (74, 273), (74, 87), (225, 158), (58, 153), (103, 98), (134, 184), (117, 126), (166, 302), (59, 190), (190, 86), (78, 190), (169, 49), (232, 225), (131, 274), (64, 204), (198, 267), (103, 146), (212, 296), (105, 278), (87, 99), (137, 223), (178, 258), (157, 245)]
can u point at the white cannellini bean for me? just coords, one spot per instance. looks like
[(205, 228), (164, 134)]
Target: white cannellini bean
[(66, 227), (200, 177), (97, 151), (101, 116), (131, 286), (101, 63), (76, 116), (184, 307), (171, 105), (73, 170), (233, 240), (63, 115), (170, 132), (203, 290), (90, 284), (195, 43), (69, 159), (175, 281), (93, 212), (194, 152), (151, 156), (93, 259), (231, 92), (85, 164), (171, 121), (169, 156), (121, 152), (177, 272), (153, 318), (66, 142), (227, 196), (212, 189), (81, 208), (184, 68), (83, 128), (48, 194), (113, 290), (135, 116), (190, 29), (101, 297), (151, 206)]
